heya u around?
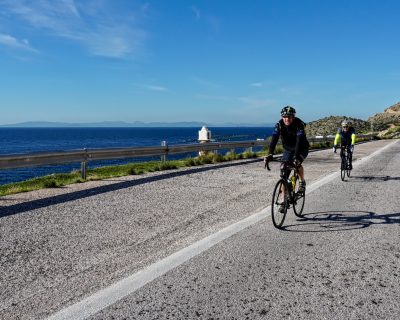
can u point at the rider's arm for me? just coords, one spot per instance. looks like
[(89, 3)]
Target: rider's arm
[(300, 135), (337, 137), (275, 137), (353, 137)]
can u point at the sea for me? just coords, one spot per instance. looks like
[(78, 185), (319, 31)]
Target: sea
[(33, 140)]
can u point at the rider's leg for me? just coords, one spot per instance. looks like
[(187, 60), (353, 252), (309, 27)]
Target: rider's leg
[(302, 182), (301, 172), (350, 157), (287, 156), (302, 156)]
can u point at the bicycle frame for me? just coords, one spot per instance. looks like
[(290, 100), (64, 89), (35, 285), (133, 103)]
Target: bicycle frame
[(291, 180)]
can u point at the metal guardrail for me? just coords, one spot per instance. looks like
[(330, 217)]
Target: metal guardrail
[(12, 161)]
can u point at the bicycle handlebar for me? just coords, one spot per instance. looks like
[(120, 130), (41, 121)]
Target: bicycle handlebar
[(266, 163)]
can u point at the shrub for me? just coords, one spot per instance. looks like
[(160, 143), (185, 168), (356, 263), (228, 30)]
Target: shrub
[(205, 159), (50, 184), (190, 162), (216, 158), (167, 166), (249, 155), (132, 171), (230, 156)]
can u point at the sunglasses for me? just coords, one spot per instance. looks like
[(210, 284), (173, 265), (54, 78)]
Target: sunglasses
[(287, 117), (345, 126)]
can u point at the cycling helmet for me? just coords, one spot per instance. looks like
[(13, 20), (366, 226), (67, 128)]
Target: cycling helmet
[(288, 111), (345, 123)]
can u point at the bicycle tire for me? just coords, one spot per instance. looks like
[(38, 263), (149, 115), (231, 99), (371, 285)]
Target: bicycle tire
[(343, 170), (298, 201), (279, 217), (348, 170)]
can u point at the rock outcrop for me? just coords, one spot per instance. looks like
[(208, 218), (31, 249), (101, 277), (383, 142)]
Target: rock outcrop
[(387, 122)]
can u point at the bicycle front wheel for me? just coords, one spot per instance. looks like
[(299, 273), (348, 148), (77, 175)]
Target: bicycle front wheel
[(299, 199), (280, 203), (348, 170), (343, 169)]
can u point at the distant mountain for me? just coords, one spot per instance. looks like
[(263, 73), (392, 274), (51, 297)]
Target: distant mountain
[(122, 124), (104, 124)]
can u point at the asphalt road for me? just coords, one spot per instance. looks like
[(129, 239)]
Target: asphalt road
[(342, 261)]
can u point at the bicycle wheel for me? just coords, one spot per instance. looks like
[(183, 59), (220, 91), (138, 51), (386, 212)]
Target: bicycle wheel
[(299, 199), (280, 203), (348, 170), (343, 169)]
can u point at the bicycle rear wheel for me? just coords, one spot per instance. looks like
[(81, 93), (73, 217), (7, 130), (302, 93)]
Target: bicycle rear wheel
[(280, 203), (299, 199)]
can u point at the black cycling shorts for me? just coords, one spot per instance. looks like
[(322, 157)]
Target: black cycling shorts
[(288, 155)]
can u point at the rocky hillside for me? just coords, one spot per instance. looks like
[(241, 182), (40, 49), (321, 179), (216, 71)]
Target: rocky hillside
[(387, 123), (388, 119), (329, 126)]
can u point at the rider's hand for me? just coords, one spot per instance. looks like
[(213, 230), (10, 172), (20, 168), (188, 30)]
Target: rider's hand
[(269, 157), (334, 149)]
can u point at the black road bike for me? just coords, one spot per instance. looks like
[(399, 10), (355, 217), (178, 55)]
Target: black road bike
[(286, 193), (345, 163)]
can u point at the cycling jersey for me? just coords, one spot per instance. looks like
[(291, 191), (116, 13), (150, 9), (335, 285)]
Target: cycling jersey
[(346, 138), (293, 137)]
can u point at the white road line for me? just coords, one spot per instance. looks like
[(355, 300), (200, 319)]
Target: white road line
[(117, 291)]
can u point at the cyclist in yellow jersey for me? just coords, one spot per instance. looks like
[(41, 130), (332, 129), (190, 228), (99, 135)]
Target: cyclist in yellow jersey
[(347, 136)]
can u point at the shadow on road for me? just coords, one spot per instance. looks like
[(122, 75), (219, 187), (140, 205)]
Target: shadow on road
[(330, 221), (49, 201), (373, 178)]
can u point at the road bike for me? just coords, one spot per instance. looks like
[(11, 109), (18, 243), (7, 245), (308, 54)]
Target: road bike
[(286, 193), (345, 163)]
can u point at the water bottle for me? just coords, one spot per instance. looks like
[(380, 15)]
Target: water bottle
[(293, 182), (289, 181)]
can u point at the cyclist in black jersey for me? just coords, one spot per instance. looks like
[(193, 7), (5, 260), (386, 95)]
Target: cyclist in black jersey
[(294, 140)]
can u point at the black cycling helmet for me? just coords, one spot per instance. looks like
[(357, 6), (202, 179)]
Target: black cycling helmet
[(288, 111)]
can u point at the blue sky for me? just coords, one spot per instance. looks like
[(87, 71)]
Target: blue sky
[(212, 60)]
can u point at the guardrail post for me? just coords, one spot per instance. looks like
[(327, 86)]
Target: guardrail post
[(84, 166), (164, 156)]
